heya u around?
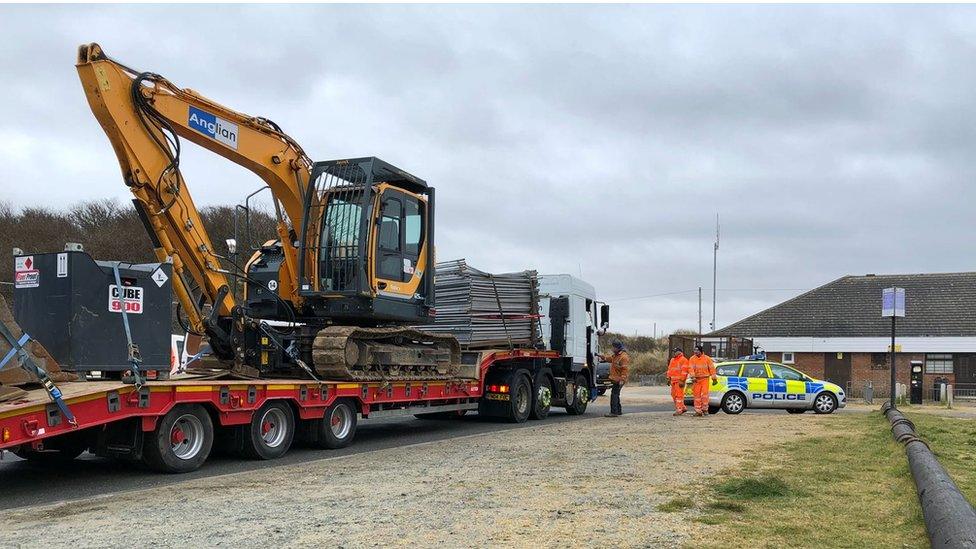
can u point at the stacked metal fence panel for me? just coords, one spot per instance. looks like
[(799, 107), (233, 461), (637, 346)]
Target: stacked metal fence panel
[(483, 309)]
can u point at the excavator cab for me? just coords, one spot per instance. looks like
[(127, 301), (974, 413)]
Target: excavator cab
[(366, 237)]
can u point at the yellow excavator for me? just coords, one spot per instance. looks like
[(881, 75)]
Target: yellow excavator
[(353, 266)]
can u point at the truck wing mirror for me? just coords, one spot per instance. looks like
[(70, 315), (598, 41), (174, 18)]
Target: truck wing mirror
[(605, 316)]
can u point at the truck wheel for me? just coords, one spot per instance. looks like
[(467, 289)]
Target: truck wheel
[(520, 405), (181, 442), (542, 399), (581, 397), (338, 425), (271, 431)]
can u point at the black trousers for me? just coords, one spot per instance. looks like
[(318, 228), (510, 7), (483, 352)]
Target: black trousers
[(615, 399)]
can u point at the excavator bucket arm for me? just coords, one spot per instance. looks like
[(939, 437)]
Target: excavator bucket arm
[(145, 118)]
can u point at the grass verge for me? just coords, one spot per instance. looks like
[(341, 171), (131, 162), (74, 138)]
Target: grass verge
[(848, 488)]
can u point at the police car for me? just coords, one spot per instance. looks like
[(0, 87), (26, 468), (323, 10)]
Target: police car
[(762, 384)]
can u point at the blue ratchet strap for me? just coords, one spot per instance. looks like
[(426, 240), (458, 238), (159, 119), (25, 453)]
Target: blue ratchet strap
[(135, 358), (17, 348)]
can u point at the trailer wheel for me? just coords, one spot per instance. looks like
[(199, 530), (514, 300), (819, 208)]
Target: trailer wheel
[(581, 397), (182, 440), (520, 404), (271, 431), (338, 426), (542, 399)]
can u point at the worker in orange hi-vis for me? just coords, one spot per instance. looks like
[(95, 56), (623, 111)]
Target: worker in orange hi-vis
[(702, 369), (677, 374)]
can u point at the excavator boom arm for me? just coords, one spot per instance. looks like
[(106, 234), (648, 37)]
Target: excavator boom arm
[(145, 116)]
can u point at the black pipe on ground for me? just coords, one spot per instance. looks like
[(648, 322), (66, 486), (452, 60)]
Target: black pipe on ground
[(949, 519)]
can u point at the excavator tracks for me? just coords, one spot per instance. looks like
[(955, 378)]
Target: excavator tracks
[(384, 354)]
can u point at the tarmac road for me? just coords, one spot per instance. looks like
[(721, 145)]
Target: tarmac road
[(24, 484)]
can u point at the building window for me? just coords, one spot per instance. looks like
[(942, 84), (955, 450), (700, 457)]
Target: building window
[(879, 361), (938, 364), (788, 358)]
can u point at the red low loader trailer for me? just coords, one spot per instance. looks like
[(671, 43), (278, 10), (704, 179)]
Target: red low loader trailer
[(172, 425)]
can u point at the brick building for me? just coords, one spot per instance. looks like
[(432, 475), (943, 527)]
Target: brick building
[(836, 332)]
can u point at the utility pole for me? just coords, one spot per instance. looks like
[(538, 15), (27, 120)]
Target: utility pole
[(699, 311), (655, 330), (715, 272)]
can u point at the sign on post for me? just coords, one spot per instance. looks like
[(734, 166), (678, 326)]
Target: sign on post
[(893, 306), (893, 302)]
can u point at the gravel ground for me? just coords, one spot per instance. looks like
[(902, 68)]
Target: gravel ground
[(570, 484)]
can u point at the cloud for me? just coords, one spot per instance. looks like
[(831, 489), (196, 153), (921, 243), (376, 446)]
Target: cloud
[(602, 139)]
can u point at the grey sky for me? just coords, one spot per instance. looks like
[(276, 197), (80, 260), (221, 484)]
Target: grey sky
[(831, 140)]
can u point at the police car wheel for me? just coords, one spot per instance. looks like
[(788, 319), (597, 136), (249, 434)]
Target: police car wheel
[(733, 403), (825, 403)]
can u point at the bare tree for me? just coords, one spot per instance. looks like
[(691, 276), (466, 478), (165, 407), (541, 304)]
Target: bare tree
[(112, 231)]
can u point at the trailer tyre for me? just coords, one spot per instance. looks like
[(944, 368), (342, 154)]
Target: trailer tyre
[(581, 397), (182, 440), (271, 431), (338, 426), (542, 399), (520, 404)]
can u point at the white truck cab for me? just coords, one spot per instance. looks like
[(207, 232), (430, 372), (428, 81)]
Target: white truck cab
[(572, 320)]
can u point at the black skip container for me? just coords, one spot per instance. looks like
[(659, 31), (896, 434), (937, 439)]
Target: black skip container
[(70, 304)]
